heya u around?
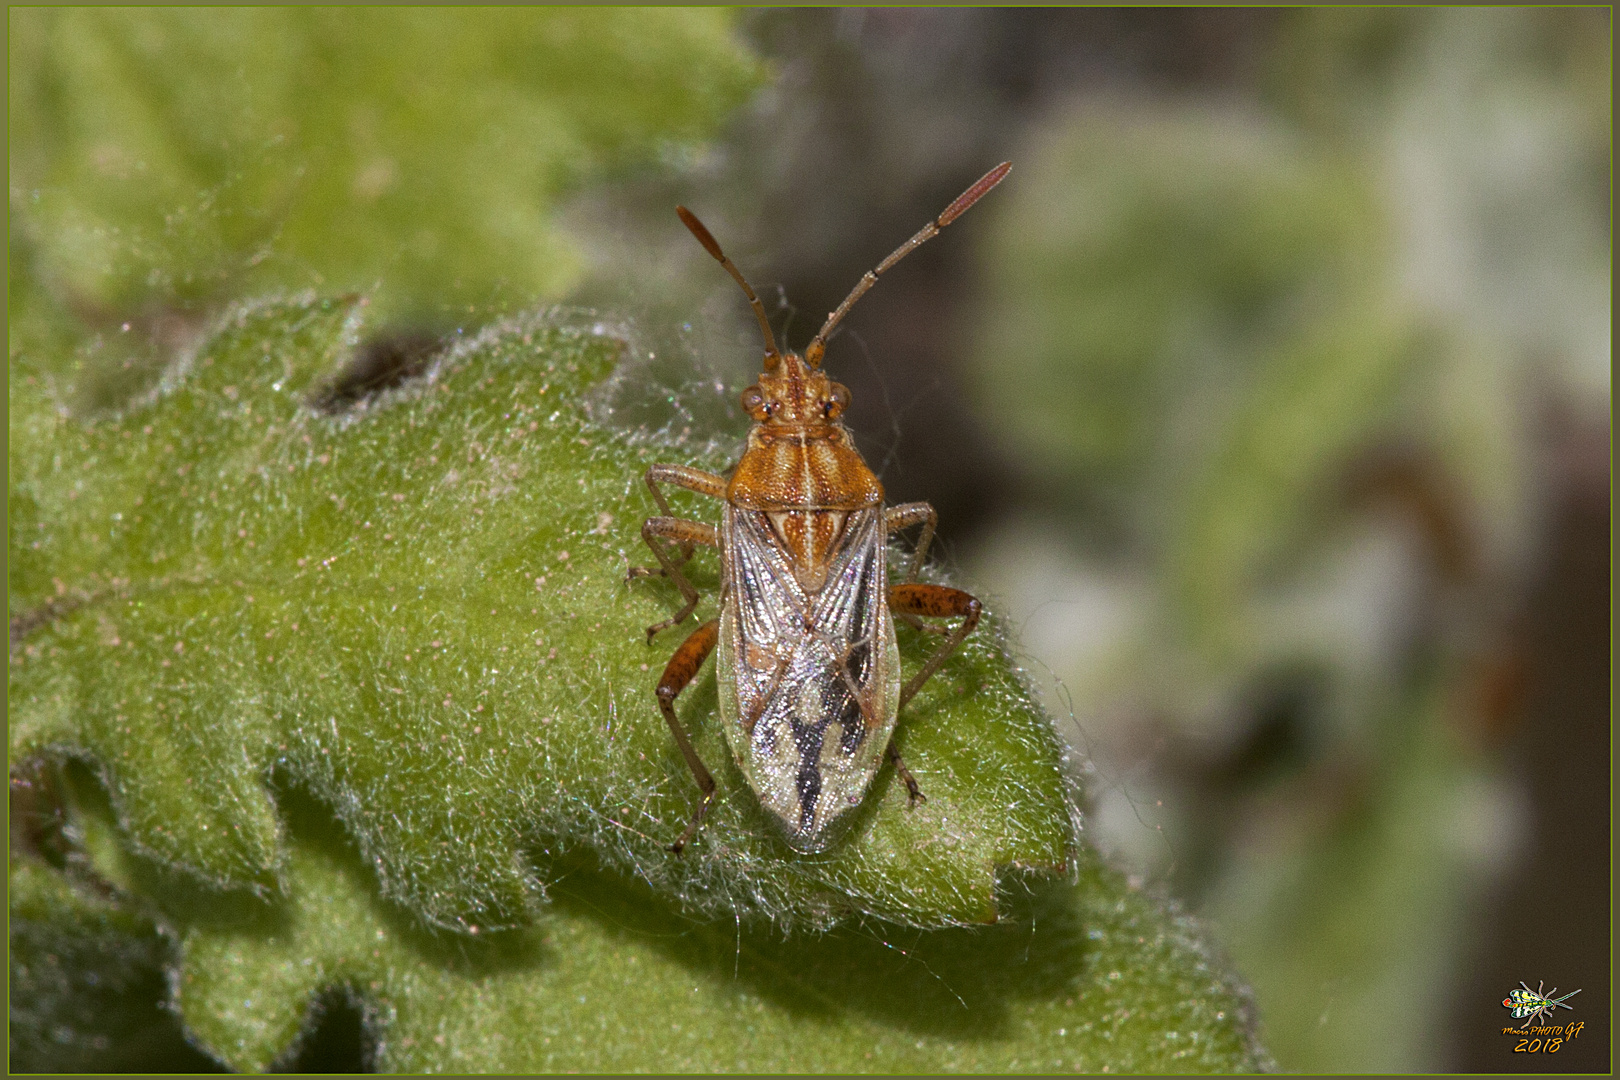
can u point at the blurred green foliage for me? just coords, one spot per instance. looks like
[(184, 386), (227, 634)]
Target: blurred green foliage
[(87, 982), (1147, 269), (1374, 908), (166, 159), (1277, 368)]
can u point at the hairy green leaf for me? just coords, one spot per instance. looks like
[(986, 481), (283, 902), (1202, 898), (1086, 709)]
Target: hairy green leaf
[(417, 611), (1082, 977)]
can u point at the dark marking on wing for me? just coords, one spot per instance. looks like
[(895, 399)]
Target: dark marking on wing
[(827, 647), (766, 740), (857, 665), (858, 629), (808, 739), (854, 730), (845, 705), (809, 781), (859, 662)]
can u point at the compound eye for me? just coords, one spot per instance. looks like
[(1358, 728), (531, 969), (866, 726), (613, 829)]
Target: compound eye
[(754, 404), (837, 400)]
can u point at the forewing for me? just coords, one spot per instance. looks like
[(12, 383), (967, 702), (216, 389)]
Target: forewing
[(815, 674)]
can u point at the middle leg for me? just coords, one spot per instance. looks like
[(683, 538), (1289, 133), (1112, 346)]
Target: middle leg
[(684, 533), (904, 516)]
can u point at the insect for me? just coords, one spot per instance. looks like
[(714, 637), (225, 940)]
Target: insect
[(1530, 1005), (807, 666)]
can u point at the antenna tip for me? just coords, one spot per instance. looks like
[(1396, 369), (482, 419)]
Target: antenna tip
[(974, 193), (690, 220)]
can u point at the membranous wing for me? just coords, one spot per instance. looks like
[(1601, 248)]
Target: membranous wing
[(809, 680)]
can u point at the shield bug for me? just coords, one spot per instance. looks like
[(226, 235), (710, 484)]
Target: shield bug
[(808, 667)]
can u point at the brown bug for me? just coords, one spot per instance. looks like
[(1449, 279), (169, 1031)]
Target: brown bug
[(808, 667)]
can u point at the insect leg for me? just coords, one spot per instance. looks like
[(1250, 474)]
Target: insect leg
[(683, 532), (904, 516), (914, 793), (677, 673), (685, 476), (936, 601)]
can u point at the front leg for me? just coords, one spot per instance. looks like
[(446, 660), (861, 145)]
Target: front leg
[(703, 483), (687, 534), (934, 601)]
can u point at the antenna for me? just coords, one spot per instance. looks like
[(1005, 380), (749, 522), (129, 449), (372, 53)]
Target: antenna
[(818, 345), (690, 220)]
